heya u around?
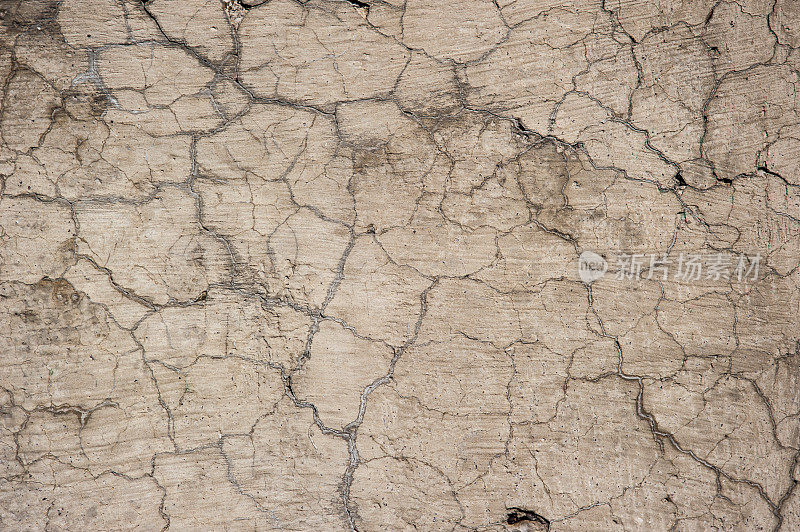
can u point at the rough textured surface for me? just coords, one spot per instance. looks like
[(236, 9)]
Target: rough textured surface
[(272, 264)]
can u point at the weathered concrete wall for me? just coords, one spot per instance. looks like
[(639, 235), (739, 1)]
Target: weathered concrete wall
[(315, 265)]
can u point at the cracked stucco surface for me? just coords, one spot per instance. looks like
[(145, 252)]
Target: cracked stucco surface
[(272, 264)]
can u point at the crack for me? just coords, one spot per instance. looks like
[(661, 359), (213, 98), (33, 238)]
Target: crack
[(518, 515)]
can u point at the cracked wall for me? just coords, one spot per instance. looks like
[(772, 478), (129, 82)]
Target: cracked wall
[(272, 264)]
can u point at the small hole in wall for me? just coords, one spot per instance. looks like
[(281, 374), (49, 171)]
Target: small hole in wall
[(527, 520)]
